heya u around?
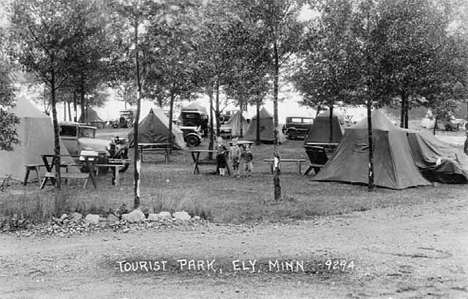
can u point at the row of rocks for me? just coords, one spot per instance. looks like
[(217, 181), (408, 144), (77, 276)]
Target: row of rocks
[(75, 223), (138, 216)]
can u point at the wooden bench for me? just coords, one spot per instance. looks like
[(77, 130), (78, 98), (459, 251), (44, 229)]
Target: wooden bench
[(164, 148), (80, 176), (297, 161), (319, 154), (32, 167)]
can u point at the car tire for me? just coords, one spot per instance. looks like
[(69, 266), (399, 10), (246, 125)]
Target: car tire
[(123, 156), (192, 141)]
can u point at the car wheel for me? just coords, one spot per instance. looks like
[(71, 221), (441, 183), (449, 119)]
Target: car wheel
[(123, 156), (192, 141)]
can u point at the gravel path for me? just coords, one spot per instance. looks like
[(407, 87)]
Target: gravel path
[(416, 252)]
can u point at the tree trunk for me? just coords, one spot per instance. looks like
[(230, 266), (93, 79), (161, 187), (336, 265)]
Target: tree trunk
[(75, 106), (171, 108), (402, 112), (370, 185), (241, 110), (276, 175), (257, 131), (331, 123), (69, 111), (83, 102), (56, 135), (136, 157), (435, 126), (211, 144), (218, 125)]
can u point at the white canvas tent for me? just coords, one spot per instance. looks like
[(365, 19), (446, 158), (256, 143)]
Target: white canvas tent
[(36, 134), (237, 121), (266, 128)]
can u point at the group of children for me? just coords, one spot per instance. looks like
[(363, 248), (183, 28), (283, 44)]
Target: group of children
[(239, 155)]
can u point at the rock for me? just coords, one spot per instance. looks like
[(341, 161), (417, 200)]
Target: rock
[(112, 218), (134, 216), (196, 218), (64, 216), (91, 218), (184, 216), (165, 215), (76, 217), (154, 217)]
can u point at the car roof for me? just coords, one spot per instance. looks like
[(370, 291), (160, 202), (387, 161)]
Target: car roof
[(81, 125)]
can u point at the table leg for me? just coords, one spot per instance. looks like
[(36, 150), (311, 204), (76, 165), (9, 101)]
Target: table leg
[(116, 171), (26, 176), (91, 170), (195, 157)]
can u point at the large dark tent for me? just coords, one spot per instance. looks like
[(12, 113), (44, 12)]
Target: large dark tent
[(436, 160), (154, 128), (320, 130), (394, 166)]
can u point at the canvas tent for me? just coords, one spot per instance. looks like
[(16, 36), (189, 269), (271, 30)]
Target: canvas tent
[(236, 121), (394, 166), (320, 130), (436, 160), (155, 128), (36, 134), (266, 128), (92, 118)]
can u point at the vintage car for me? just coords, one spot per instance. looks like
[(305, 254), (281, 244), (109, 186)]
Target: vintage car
[(78, 137), (192, 135), (297, 126)]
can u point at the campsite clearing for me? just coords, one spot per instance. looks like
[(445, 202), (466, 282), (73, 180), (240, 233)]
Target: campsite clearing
[(409, 243)]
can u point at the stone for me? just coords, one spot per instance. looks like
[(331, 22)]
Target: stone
[(196, 218), (165, 215), (184, 216), (112, 218), (134, 216), (91, 218), (75, 217), (154, 217)]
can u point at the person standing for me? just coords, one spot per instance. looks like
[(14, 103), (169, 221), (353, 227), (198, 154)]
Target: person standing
[(221, 152), (234, 157), (247, 159)]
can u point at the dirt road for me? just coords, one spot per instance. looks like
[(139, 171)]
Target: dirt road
[(416, 252)]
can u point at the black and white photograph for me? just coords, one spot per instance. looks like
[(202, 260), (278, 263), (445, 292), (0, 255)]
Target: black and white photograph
[(234, 149)]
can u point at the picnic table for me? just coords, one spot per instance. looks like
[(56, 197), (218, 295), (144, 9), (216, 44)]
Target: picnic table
[(49, 164), (115, 165), (155, 147), (197, 162), (319, 154)]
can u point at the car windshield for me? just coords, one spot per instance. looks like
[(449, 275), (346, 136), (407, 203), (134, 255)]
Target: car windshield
[(68, 131), (87, 132)]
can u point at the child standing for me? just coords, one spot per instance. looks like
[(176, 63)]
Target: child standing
[(221, 151), (247, 159), (234, 157)]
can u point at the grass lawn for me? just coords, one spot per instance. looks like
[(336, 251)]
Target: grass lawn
[(173, 187)]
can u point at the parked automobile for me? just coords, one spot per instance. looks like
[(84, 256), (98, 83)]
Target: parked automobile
[(195, 119), (125, 120), (78, 137), (297, 126), (192, 135)]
